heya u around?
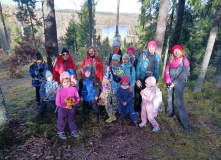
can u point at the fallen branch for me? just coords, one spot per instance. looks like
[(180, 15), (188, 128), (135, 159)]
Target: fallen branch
[(91, 150)]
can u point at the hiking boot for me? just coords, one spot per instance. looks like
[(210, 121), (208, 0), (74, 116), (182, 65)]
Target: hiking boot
[(62, 135), (111, 119), (156, 129), (135, 123), (142, 124), (75, 134), (186, 128)]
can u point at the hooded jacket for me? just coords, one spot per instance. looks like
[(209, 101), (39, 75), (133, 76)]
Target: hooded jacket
[(59, 67), (98, 66)]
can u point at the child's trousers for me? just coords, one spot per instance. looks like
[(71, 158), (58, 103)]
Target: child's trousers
[(44, 106), (133, 116), (87, 107), (62, 114), (147, 112), (111, 104)]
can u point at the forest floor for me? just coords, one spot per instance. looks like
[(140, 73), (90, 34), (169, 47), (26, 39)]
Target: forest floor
[(25, 137)]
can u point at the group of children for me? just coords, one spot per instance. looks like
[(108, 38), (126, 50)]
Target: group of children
[(117, 93)]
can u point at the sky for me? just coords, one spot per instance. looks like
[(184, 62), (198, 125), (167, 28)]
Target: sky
[(126, 6)]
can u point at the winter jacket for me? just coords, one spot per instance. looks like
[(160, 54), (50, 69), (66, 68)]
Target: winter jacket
[(148, 97), (157, 102), (124, 96), (47, 87), (59, 68), (35, 74), (142, 66), (129, 71), (88, 61), (65, 93), (109, 86), (177, 71), (88, 88), (134, 61)]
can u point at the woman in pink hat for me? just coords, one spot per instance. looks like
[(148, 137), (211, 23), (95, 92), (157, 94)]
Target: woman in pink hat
[(176, 73), (148, 65)]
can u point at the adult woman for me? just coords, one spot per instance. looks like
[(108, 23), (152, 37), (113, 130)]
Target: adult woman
[(92, 60), (63, 63), (148, 65), (116, 50), (133, 59), (176, 74)]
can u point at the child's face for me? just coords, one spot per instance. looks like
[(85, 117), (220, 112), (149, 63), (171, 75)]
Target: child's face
[(49, 78), (87, 74), (72, 76), (125, 60), (39, 61), (148, 86), (66, 83), (130, 52), (124, 83), (115, 62)]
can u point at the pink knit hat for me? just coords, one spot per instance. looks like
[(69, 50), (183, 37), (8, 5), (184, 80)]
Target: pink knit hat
[(177, 47), (125, 79), (152, 43), (64, 75), (130, 48), (151, 81)]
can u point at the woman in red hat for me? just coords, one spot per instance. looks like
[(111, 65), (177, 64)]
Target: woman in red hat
[(176, 73)]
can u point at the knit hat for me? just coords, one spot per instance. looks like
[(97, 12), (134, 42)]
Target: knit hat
[(39, 57), (64, 50), (177, 47), (152, 43), (125, 79), (116, 56), (151, 81), (71, 71), (116, 43), (130, 48), (126, 55), (65, 74), (86, 68), (47, 74)]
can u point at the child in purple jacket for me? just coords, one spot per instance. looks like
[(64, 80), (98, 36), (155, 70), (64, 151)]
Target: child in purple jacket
[(125, 98), (66, 99)]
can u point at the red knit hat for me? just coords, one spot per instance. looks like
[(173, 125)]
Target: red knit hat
[(177, 47), (125, 79), (152, 43), (130, 48)]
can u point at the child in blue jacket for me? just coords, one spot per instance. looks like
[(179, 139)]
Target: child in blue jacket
[(88, 92), (126, 100), (36, 72), (48, 93)]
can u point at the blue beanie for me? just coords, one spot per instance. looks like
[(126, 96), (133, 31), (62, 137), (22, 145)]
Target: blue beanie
[(116, 43), (71, 71), (86, 68), (47, 74), (116, 56), (126, 55)]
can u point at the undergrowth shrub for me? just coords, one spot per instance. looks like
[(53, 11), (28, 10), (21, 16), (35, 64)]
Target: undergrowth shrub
[(25, 53)]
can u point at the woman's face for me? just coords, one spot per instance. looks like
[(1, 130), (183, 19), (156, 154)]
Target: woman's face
[(66, 83), (91, 52), (39, 61), (177, 53), (65, 56), (125, 60), (115, 62), (151, 49), (130, 52), (116, 49)]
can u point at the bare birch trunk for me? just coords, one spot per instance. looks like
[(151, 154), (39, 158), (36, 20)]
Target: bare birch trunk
[(117, 23), (3, 110)]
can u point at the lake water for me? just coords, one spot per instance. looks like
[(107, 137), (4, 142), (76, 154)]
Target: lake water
[(110, 31)]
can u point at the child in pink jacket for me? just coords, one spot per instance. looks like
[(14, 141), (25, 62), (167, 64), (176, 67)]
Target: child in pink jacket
[(148, 95)]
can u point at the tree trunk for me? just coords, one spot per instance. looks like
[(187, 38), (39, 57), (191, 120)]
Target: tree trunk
[(179, 22), (21, 22), (50, 31), (91, 28), (3, 110), (5, 30), (168, 40), (117, 23), (217, 79), (209, 49), (161, 25)]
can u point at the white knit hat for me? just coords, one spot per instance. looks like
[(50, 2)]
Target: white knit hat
[(116, 43)]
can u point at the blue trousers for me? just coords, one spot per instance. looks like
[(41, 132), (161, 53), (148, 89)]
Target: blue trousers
[(44, 106), (129, 107)]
